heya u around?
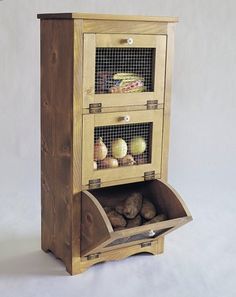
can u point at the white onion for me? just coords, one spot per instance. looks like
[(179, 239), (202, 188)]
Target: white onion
[(95, 166), (119, 148), (100, 150), (137, 146)]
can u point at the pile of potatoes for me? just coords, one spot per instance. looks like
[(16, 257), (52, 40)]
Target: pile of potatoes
[(134, 211)]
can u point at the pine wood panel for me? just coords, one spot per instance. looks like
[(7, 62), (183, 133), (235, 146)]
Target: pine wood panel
[(93, 16), (56, 129), (120, 40), (167, 100), (155, 248), (131, 27)]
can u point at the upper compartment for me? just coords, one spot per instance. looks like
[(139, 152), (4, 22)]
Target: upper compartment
[(123, 70)]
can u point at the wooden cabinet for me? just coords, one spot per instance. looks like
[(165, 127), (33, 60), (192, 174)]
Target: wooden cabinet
[(108, 54), (105, 80)]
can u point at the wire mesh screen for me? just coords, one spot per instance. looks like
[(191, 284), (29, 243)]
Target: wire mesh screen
[(124, 70), (122, 145)]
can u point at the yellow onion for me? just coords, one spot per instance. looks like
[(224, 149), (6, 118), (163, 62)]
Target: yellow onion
[(119, 148), (109, 163), (100, 150), (128, 160), (137, 146)]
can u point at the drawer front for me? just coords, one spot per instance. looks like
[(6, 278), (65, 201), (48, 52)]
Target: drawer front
[(132, 144), (122, 69), (98, 234)]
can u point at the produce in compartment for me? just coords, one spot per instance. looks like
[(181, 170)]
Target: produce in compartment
[(137, 145), (132, 205), (128, 160), (100, 150), (95, 165), (119, 148), (137, 221), (116, 219), (158, 218), (127, 83), (132, 212), (109, 163), (148, 210)]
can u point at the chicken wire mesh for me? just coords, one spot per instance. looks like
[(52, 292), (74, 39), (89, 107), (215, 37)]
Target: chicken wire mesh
[(122, 145), (124, 70)]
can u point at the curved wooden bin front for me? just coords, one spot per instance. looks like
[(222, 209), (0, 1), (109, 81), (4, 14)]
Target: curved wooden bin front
[(97, 232)]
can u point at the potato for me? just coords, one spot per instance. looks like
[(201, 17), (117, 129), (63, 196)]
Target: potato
[(120, 208), (148, 210), (137, 221), (116, 219), (107, 209), (156, 219), (132, 205)]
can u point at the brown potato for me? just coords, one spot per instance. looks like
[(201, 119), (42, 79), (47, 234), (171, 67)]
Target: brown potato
[(137, 221), (156, 219), (120, 208), (116, 219), (148, 210), (132, 205), (107, 209)]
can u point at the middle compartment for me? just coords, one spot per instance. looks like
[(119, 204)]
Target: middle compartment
[(121, 145)]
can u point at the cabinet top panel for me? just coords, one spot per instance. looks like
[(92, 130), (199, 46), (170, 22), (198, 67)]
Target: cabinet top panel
[(88, 16)]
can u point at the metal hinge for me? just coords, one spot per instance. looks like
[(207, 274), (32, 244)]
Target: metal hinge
[(152, 104), (94, 183), (149, 175), (95, 107), (92, 257), (144, 244)]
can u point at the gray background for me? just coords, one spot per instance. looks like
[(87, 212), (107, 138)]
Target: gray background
[(200, 258)]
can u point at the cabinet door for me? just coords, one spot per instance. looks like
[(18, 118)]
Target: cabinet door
[(98, 234), (137, 135), (122, 69)]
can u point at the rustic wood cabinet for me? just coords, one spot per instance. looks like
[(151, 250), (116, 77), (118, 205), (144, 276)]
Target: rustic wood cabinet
[(105, 78)]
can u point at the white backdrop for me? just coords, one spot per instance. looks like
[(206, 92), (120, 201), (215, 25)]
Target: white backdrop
[(200, 258)]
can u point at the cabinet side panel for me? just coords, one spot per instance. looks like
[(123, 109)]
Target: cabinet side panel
[(56, 136), (167, 100)]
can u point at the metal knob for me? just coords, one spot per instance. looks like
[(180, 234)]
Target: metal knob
[(151, 233), (130, 41), (125, 118)]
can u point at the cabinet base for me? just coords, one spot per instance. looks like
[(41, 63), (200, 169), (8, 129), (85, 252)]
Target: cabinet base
[(82, 264)]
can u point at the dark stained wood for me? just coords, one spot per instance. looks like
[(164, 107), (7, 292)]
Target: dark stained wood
[(54, 16), (56, 136)]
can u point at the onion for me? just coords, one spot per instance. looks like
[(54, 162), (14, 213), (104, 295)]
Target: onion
[(119, 148), (100, 150), (95, 166), (109, 163), (128, 160), (137, 146)]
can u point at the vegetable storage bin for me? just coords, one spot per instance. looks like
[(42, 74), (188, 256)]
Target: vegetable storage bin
[(105, 111)]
